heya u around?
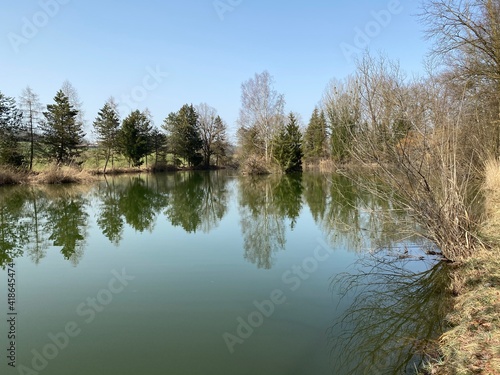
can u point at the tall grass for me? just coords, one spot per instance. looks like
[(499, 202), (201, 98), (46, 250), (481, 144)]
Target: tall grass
[(57, 174), (11, 176)]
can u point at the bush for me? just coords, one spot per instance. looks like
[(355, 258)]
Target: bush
[(254, 165)]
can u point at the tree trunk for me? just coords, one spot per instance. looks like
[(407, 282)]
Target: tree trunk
[(107, 159), (32, 146)]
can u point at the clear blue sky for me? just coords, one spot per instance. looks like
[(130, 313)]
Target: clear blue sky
[(104, 49)]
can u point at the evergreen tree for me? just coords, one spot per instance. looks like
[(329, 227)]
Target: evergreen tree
[(183, 134), (220, 143), (342, 123), (288, 146), (62, 134), (10, 127), (158, 145), (315, 136), (107, 128), (134, 137)]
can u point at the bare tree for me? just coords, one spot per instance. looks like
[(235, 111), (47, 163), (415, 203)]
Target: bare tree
[(32, 109), (262, 111), (341, 103), (210, 130), (74, 99), (424, 165), (467, 39)]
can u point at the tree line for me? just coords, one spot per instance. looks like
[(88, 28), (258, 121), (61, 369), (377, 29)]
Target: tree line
[(376, 114), (193, 136)]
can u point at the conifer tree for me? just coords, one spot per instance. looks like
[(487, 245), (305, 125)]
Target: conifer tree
[(220, 144), (315, 137), (10, 127), (107, 128), (288, 146), (183, 134), (134, 137), (62, 133)]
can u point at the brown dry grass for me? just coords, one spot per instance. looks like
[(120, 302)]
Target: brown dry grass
[(117, 171), (472, 344), (491, 227), (10, 176), (55, 174)]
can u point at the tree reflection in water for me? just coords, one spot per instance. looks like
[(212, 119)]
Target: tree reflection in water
[(13, 231), (32, 219), (265, 203), (352, 218), (396, 312), (197, 200), (67, 222)]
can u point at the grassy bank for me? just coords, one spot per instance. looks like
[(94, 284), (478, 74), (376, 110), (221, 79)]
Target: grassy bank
[(472, 343), (52, 174)]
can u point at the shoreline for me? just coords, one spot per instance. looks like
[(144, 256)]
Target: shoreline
[(55, 175)]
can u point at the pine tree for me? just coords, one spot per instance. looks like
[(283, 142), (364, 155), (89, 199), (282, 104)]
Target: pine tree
[(315, 136), (220, 143), (183, 134), (135, 136), (158, 145), (342, 123), (10, 127), (62, 133), (107, 127), (288, 146)]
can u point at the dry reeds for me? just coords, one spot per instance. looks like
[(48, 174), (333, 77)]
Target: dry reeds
[(57, 174), (472, 344), (10, 176), (491, 190), (254, 165)]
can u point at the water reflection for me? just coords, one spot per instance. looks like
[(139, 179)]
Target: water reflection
[(13, 231), (197, 201), (353, 218), (35, 215), (66, 220), (109, 218), (265, 203), (32, 218), (396, 308), (397, 311)]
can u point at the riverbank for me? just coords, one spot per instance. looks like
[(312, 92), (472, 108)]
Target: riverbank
[(472, 343), (72, 174), (50, 175)]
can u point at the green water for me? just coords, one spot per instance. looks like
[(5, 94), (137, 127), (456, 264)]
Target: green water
[(210, 273)]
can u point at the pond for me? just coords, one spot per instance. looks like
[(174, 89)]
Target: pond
[(212, 273)]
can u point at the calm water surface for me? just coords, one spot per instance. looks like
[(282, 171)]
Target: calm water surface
[(210, 273)]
